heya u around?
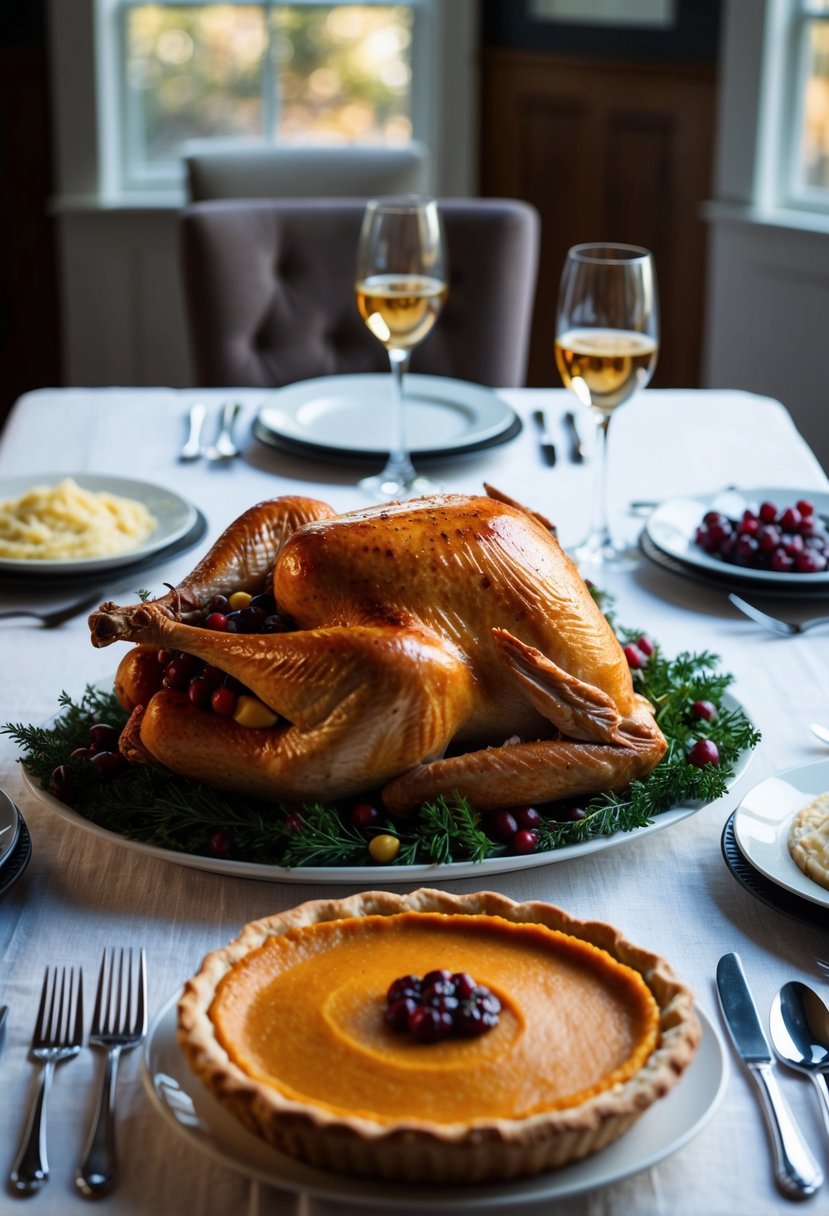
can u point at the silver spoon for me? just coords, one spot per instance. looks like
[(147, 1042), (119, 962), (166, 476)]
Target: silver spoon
[(799, 1024), (192, 448), (224, 448), (822, 732)]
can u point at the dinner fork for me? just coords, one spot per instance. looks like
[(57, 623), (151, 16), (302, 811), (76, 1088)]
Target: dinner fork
[(784, 628), (57, 1036), (119, 1021)]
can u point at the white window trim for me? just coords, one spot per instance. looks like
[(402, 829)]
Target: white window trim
[(86, 133)]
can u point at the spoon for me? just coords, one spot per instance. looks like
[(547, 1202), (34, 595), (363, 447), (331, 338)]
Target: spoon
[(224, 448), (799, 1024), (821, 732), (192, 448)]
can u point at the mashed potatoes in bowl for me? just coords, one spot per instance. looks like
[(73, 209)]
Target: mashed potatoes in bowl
[(64, 521)]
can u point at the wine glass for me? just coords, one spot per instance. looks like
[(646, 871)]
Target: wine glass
[(607, 338), (400, 287)]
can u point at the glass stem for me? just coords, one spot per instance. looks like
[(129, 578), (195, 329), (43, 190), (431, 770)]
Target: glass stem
[(399, 464), (599, 536)]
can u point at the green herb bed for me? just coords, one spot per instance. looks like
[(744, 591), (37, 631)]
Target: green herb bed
[(183, 816)]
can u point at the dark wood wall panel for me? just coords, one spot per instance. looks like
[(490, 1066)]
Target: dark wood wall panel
[(606, 150)]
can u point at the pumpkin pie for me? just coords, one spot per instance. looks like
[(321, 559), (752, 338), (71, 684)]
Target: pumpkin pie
[(287, 1027)]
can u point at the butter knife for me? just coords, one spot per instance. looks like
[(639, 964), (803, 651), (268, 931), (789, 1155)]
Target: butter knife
[(577, 450), (795, 1170), (548, 448)]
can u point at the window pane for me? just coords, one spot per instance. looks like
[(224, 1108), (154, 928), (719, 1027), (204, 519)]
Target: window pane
[(191, 71), (814, 167), (342, 73)]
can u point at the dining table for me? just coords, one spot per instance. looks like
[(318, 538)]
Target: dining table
[(670, 890)]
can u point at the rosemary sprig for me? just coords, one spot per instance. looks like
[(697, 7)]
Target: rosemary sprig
[(180, 815)]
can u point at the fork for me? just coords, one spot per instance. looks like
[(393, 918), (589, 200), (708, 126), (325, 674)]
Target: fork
[(57, 1036), (784, 628), (224, 448), (119, 1021), (55, 616)]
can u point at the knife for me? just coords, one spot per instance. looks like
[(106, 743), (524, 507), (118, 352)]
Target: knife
[(795, 1170), (548, 448), (577, 452)]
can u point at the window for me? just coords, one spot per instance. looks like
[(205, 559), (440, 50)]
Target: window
[(803, 51), (300, 72)]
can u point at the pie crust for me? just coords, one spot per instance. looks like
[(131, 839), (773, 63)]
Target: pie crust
[(399, 1145)]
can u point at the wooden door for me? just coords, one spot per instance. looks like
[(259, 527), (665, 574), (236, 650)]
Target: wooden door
[(606, 150)]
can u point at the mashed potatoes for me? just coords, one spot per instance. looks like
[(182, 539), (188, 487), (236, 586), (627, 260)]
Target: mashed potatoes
[(809, 840), (65, 521)]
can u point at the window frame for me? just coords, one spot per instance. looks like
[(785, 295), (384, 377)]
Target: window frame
[(119, 173)]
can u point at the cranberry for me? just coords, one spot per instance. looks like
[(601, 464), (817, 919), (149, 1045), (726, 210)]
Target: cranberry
[(293, 822), (704, 751), (363, 814), (479, 1013), (645, 645), (704, 709), (404, 985), (805, 507), (502, 825), (273, 623), (398, 1012), (220, 844), (809, 563), (464, 984), (781, 563), (223, 701), (790, 519), (180, 671), (218, 603), (634, 656), (108, 763), (439, 976), (524, 841), (61, 782), (103, 737), (528, 817), (213, 675), (81, 753), (264, 600), (575, 813), (749, 526), (217, 621), (199, 692), (166, 656), (428, 1025)]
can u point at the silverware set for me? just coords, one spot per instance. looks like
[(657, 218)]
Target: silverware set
[(224, 447), (577, 449), (799, 1027), (773, 623), (119, 1022)]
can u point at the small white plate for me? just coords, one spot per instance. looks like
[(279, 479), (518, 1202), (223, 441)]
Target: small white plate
[(763, 819), (188, 1108), (352, 415), (673, 524), (175, 517), (9, 827), (371, 875)]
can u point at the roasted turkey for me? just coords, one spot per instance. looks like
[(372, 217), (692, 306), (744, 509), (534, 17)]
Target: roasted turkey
[(442, 644)]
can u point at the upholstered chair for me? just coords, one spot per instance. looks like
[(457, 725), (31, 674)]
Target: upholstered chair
[(212, 170), (269, 292)]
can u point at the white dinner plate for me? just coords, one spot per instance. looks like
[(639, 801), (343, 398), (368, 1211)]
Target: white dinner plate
[(351, 415), (174, 515), (762, 822), (369, 875), (188, 1107), (673, 524), (9, 827)]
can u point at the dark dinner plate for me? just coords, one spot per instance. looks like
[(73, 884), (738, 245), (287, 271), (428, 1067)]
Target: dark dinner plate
[(769, 893), (18, 859)]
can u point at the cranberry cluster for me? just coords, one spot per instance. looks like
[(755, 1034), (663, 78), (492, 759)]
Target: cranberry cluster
[(789, 540), (101, 751), (441, 1004), (241, 613)]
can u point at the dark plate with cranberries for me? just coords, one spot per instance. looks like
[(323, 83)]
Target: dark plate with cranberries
[(768, 536)]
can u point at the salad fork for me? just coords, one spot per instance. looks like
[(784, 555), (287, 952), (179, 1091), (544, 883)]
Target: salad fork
[(784, 628), (119, 1021), (57, 1036)]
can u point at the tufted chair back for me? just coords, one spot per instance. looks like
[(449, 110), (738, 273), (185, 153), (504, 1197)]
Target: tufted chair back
[(269, 292)]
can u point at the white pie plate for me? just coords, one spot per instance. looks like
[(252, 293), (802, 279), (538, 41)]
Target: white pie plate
[(356, 876), (188, 1107), (175, 517), (763, 819), (352, 414), (673, 524)]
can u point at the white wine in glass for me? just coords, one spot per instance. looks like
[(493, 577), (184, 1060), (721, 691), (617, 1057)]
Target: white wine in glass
[(607, 340), (400, 286)]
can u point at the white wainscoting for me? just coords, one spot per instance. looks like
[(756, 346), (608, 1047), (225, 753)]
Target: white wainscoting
[(767, 315)]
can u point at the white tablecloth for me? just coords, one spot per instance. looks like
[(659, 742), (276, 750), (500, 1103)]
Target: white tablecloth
[(670, 891)]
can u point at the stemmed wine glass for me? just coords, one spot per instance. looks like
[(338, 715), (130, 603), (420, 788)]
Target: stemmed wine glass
[(400, 286), (607, 338)]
